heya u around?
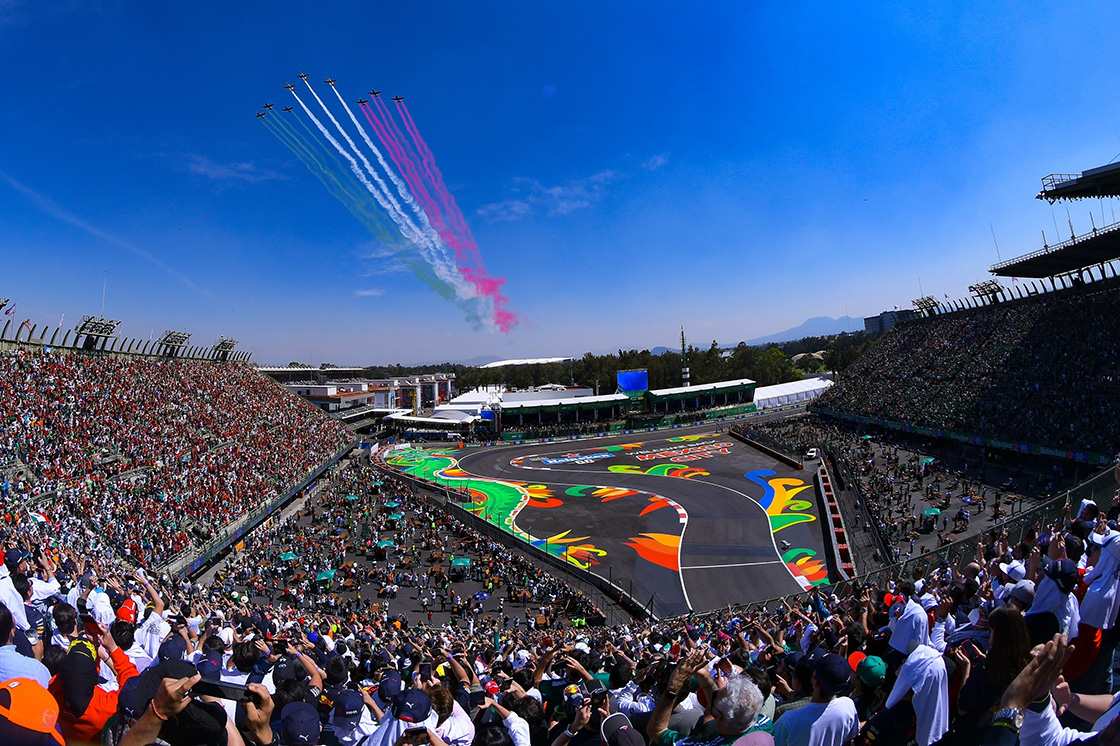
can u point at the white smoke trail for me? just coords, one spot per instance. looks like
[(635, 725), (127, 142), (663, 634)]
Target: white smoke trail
[(440, 261)]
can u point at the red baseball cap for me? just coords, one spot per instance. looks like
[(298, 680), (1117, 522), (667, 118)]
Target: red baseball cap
[(127, 611)]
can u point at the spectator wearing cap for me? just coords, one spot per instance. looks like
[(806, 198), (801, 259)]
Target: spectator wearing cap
[(908, 624), (350, 718), (829, 719), (867, 692), (28, 713), (299, 725), (413, 709), (1055, 608), (734, 708), (585, 714), (84, 706), (13, 665), (15, 561), (1021, 595), (794, 684)]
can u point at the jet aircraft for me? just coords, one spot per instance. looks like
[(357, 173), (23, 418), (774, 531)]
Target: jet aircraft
[(398, 99)]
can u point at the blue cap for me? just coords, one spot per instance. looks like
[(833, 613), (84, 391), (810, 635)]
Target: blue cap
[(348, 708), (833, 673), (390, 686), (413, 707), (174, 649), (299, 724), (210, 666)]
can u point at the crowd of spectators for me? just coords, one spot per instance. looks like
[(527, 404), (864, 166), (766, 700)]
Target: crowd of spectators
[(1016, 645), (896, 480), (1042, 370), (151, 452)]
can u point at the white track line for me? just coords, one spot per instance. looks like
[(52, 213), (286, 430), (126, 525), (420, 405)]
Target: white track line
[(737, 564)]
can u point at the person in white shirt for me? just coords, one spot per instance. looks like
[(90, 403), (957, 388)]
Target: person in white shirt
[(924, 676), (827, 720)]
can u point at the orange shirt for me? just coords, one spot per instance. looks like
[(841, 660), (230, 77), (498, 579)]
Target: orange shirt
[(88, 727)]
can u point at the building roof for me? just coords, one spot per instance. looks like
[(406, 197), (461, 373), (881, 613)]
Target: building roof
[(526, 361), (1100, 246), (1103, 181), (704, 389)]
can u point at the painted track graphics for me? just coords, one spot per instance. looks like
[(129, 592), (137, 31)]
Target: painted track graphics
[(676, 521)]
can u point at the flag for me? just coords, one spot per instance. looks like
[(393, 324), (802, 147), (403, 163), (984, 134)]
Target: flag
[(27, 323), (38, 518), (11, 310), (61, 319), (897, 308)]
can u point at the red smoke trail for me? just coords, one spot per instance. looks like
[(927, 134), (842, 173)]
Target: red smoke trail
[(487, 287), (405, 166), (450, 206), (466, 249)]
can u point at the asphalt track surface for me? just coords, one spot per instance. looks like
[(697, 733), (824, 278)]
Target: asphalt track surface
[(727, 552)]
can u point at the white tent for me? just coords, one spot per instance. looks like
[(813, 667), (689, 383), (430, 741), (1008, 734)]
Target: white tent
[(790, 393)]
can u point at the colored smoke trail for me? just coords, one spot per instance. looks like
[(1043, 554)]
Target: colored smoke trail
[(404, 204), (476, 272), (438, 263)]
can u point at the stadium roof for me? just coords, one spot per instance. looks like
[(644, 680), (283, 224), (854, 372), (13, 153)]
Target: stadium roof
[(1103, 181), (526, 361), (1100, 246)]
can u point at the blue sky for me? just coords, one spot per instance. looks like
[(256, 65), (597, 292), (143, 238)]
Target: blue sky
[(628, 167)]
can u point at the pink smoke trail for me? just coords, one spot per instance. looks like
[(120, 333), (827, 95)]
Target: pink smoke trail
[(472, 269), (451, 207), (408, 172), (448, 234), (486, 287)]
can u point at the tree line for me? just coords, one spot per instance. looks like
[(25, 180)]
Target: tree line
[(767, 365)]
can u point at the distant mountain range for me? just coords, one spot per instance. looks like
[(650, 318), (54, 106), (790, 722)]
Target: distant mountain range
[(818, 326)]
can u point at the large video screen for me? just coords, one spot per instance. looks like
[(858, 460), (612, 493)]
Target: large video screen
[(633, 380)]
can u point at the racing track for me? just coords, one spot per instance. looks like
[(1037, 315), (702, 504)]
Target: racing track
[(727, 551)]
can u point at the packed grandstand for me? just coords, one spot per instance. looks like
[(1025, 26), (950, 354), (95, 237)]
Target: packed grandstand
[(194, 555)]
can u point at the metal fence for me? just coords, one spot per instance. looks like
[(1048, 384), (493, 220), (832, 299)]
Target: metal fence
[(1100, 489)]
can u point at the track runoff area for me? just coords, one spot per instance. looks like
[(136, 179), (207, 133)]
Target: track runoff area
[(690, 518)]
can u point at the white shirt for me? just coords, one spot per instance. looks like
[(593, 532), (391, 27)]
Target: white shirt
[(816, 724), (11, 599), (924, 674), (457, 729)]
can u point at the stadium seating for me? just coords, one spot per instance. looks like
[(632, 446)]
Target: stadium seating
[(151, 451)]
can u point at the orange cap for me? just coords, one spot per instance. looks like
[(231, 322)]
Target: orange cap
[(24, 702)]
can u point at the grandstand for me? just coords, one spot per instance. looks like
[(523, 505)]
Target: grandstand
[(1031, 375)]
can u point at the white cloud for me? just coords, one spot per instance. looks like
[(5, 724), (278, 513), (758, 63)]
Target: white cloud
[(562, 199), (370, 293), (656, 162), (203, 166)]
